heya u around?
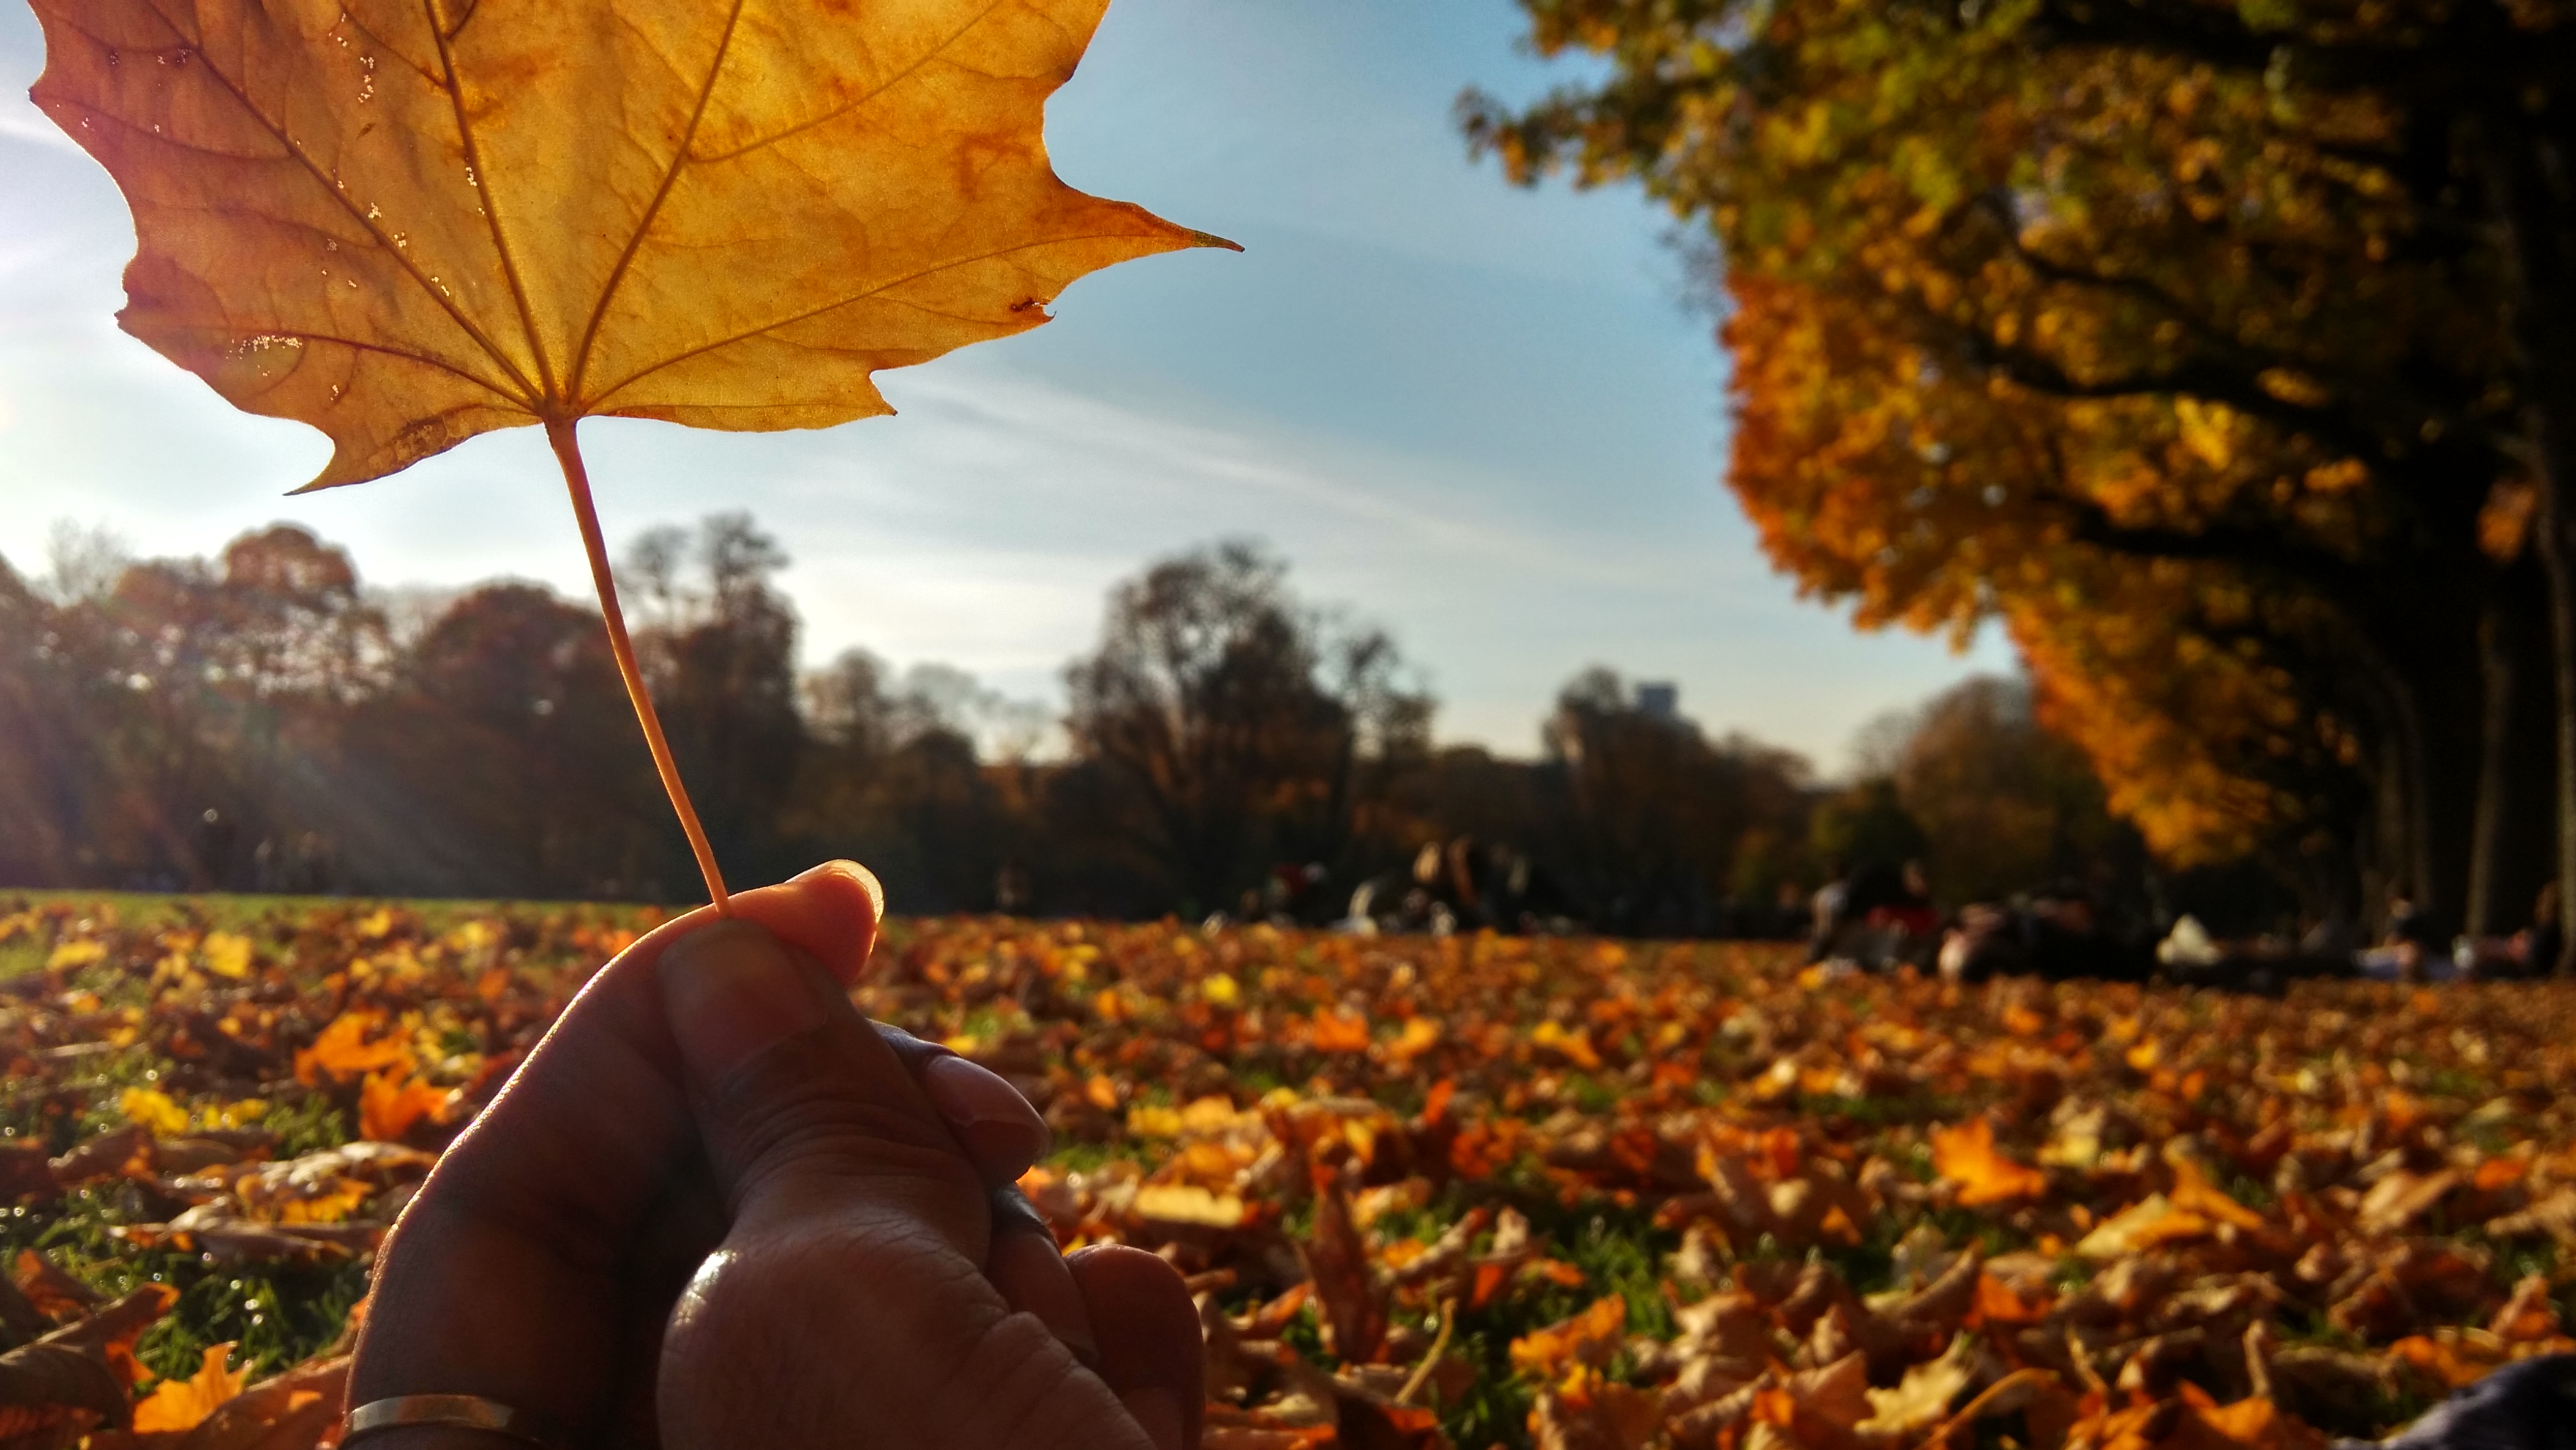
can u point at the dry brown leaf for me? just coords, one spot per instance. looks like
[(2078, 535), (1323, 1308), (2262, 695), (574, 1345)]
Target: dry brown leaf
[(1588, 1412), (79, 1374), (24, 1172), (50, 1289), (125, 1152), (2396, 1201), (1922, 1399), (409, 223)]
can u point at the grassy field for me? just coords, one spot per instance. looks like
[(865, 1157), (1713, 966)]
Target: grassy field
[(1471, 1191)]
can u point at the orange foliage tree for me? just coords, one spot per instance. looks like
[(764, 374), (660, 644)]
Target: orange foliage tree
[(2200, 377)]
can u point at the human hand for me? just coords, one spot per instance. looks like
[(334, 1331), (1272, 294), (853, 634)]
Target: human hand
[(718, 1207)]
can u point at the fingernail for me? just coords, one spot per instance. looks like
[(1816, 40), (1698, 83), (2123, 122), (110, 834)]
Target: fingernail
[(866, 879), (1032, 1276), (1003, 1132), (732, 992), (1154, 1409)]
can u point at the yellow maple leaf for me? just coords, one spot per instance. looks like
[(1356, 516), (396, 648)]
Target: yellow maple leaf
[(184, 1404), (409, 223)]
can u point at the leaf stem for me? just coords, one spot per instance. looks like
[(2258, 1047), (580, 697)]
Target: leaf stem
[(559, 433)]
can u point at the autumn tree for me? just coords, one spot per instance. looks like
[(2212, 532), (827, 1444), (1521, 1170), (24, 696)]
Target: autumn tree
[(718, 645), (1652, 815), (1230, 726), (2005, 805), (44, 760), (2037, 322), (507, 765), (891, 775)]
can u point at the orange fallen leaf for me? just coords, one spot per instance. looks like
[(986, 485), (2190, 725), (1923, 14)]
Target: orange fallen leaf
[(1966, 1155), (348, 1049), (1590, 1337), (178, 1404), (388, 1110), (1340, 1032), (2194, 1193)]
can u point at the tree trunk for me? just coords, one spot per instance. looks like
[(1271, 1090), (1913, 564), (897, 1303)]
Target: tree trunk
[(2526, 181), (2513, 852)]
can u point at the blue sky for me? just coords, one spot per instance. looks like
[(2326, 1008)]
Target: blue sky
[(1479, 416)]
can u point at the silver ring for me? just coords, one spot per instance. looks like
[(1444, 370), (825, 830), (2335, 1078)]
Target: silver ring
[(454, 1412)]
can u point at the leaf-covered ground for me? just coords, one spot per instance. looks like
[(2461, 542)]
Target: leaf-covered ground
[(1467, 1191)]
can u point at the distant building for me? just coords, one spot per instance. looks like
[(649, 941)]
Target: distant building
[(1659, 699)]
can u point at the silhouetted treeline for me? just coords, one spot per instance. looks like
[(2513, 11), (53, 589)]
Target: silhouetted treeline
[(259, 722)]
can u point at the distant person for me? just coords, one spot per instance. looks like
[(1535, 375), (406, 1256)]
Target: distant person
[(2530, 952), (2546, 938), (1827, 911), (2411, 950)]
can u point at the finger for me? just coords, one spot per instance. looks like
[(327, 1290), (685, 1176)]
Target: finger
[(996, 1126), (1151, 1354), (807, 1114), (511, 1275), (1025, 1264)]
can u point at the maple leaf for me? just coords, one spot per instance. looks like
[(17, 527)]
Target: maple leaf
[(182, 1404), (407, 224)]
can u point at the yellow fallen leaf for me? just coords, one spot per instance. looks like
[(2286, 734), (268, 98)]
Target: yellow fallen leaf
[(1187, 1203), (154, 1110), (226, 954)]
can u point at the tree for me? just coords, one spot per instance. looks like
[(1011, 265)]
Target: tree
[(891, 775), (45, 765), (2005, 805), (2022, 307), (718, 649), (1655, 817), (506, 762), (1229, 725)]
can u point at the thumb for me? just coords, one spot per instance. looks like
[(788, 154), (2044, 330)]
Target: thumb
[(809, 1119)]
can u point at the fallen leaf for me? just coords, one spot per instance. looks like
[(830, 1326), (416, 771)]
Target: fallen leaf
[(387, 1111), (1966, 1155), (78, 1375), (183, 1404), (1188, 1204), (1922, 1399), (349, 1048), (50, 1289), (1591, 1337)]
